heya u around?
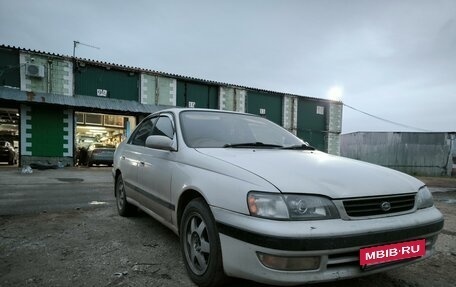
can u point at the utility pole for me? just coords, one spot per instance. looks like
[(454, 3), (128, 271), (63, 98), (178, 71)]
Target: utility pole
[(76, 43)]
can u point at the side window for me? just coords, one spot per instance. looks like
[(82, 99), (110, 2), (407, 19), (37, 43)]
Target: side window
[(142, 132), (164, 127)]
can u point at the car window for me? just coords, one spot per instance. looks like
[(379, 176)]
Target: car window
[(164, 127), (141, 133)]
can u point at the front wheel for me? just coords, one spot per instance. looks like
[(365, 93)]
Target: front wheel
[(200, 245), (123, 207)]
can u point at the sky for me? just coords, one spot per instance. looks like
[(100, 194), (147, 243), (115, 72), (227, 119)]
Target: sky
[(394, 59)]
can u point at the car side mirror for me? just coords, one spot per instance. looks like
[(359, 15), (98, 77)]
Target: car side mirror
[(160, 142)]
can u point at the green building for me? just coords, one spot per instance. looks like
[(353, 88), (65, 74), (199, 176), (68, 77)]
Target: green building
[(51, 104)]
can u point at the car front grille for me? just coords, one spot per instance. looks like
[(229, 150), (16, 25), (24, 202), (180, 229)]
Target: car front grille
[(371, 206)]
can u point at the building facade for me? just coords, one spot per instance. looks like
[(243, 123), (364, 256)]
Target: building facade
[(51, 105)]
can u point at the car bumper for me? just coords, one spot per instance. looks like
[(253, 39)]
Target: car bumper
[(335, 242), (101, 159)]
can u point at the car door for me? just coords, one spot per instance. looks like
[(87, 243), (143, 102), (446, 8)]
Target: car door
[(155, 171), (131, 158)]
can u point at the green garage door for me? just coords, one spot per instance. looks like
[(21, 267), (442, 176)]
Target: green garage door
[(98, 81), (196, 95), (312, 123), (265, 104), (10, 74)]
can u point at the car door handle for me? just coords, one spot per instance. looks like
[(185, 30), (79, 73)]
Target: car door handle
[(122, 157), (142, 163)]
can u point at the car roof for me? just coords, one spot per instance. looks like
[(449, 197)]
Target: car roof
[(180, 110)]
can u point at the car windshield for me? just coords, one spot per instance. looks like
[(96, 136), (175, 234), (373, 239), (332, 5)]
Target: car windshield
[(206, 129)]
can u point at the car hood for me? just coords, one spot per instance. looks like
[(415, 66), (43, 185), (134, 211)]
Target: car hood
[(314, 172)]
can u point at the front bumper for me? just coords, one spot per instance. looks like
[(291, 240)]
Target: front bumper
[(336, 242)]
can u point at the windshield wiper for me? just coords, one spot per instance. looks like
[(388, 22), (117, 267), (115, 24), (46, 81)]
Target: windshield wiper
[(253, 144), (299, 147)]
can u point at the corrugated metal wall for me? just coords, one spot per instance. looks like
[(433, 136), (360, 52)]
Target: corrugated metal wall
[(427, 154), (122, 85), (10, 74), (268, 103), (312, 123)]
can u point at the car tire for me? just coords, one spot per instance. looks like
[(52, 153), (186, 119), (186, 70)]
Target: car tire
[(200, 245), (123, 207)]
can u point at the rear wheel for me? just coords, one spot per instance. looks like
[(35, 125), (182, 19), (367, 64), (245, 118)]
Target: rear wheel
[(200, 245), (123, 207)]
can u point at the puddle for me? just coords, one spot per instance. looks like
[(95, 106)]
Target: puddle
[(97, 203)]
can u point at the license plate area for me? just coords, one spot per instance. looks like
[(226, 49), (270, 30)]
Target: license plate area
[(376, 255)]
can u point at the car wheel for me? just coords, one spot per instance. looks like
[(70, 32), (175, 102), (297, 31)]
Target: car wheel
[(89, 164), (200, 245), (123, 207)]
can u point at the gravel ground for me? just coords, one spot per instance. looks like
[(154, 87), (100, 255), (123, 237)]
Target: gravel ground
[(96, 247)]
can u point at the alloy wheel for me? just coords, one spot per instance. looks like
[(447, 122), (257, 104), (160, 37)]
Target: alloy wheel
[(197, 246)]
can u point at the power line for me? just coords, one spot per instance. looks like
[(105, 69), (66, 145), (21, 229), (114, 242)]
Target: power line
[(385, 120)]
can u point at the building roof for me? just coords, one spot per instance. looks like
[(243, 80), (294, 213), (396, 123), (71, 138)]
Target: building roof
[(78, 101), (143, 70)]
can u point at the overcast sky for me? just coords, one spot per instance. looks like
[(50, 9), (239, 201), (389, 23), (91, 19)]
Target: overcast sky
[(394, 59)]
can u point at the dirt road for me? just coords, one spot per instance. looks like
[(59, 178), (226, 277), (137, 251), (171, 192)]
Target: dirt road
[(93, 246)]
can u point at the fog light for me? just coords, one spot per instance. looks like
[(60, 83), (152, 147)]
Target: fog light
[(289, 263)]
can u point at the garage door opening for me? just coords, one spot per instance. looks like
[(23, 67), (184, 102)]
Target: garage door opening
[(9, 136), (97, 136)]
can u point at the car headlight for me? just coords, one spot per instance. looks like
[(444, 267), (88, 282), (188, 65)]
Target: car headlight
[(424, 198), (290, 206)]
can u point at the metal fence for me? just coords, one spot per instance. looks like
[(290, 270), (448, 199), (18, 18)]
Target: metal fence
[(427, 154)]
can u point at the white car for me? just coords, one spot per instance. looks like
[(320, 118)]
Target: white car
[(248, 199)]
